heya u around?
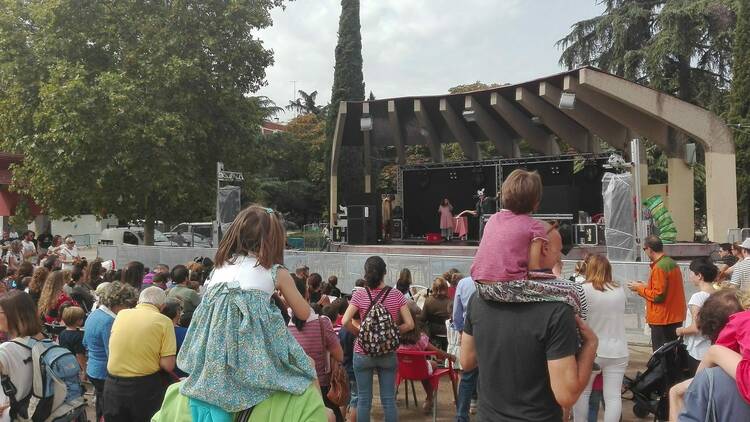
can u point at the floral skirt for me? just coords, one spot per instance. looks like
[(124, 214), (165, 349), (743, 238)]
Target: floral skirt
[(238, 351), (537, 290)]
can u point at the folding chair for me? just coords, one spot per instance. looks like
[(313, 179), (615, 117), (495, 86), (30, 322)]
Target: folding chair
[(412, 366)]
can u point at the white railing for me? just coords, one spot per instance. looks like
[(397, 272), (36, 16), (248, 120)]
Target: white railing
[(424, 268)]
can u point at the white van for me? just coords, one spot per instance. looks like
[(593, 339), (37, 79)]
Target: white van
[(198, 235), (130, 236)]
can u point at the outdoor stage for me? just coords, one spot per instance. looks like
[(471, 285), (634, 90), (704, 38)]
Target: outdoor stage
[(680, 251)]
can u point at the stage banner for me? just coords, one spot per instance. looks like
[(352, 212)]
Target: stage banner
[(229, 205), (619, 221)]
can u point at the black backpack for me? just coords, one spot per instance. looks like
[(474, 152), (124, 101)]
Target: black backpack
[(378, 334)]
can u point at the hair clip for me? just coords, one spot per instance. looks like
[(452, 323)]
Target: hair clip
[(269, 210)]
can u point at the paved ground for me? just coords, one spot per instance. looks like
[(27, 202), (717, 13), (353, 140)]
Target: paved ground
[(446, 407)]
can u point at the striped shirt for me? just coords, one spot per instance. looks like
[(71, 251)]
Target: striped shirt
[(317, 343), (741, 275), (392, 303)]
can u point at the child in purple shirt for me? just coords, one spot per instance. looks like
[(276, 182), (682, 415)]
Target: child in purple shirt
[(512, 245)]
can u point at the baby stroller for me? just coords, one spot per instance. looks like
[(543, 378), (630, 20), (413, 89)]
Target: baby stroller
[(666, 367)]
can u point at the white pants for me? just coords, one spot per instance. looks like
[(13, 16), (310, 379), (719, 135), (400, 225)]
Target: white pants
[(613, 371)]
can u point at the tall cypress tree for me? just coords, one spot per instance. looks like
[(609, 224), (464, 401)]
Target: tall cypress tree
[(348, 85), (739, 107)]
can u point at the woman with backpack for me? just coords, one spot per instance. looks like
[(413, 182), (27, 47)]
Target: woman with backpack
[(384, 316), (19, 318)]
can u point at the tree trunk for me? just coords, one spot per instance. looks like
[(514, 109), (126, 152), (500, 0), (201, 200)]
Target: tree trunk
[(148, 230)]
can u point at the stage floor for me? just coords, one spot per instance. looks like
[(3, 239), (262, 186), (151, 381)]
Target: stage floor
[(682, 251)]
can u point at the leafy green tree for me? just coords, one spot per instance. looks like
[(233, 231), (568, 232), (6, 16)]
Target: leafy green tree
[(124, 107), (739, 108), (295, 159)]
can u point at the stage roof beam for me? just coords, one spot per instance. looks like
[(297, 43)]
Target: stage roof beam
[(640, 123), (705, 127), (430, 134), (537, 138), (565, 127), (398, 138), (504, 142), (603, 126), (458, 129)]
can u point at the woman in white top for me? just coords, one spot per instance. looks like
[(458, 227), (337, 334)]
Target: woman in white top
[(702, 274), (69, 254), (606, 302), (14, 257)]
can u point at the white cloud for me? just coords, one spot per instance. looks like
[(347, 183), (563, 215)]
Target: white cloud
[(414, 47)]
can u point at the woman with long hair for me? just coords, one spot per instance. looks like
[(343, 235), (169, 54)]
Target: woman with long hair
[(95, 273), (321, 343), (435, 313), (133, 274), (606, 306), (446, 219), (53, 297), (238, 350), (403, 284), (385, 365), (37, 283)]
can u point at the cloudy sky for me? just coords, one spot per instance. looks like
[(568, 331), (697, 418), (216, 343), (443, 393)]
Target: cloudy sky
[(418, 47)]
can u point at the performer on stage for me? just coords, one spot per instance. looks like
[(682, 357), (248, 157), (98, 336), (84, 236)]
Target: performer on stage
[(485, 206), (446, 219)]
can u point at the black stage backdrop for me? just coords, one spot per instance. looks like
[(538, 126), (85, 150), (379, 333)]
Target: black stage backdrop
[(563, 191), (424, 189)]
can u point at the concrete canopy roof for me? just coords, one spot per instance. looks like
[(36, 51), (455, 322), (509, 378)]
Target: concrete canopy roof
[(608, 106)]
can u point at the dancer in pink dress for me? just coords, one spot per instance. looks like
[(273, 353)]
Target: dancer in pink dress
[(446, 219)]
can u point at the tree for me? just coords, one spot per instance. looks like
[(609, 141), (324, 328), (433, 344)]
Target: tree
[(295, 159), (266, 107), (305, 103), (124, 107), (348, 85), (474, 86), (680, 46), (739, 107)]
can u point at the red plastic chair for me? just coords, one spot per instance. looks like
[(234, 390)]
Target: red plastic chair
[(412, 366)]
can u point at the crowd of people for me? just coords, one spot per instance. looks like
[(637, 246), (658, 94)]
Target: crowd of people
[(241, 337)]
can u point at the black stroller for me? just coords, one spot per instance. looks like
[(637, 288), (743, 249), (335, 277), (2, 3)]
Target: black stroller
[(666, 367)]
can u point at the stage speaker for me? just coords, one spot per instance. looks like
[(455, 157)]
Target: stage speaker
[(397, 228), (362, 227)]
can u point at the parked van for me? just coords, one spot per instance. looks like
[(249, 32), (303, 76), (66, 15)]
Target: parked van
[(192, 234), (130, 236)]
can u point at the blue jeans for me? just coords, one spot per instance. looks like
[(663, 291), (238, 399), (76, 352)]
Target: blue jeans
[(466, 390), (364, 367)]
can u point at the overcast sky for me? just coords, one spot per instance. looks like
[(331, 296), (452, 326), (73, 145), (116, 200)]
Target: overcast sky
[(419, 47)]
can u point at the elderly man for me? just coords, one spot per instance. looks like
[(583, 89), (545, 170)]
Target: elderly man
[(664, 294), (141, 344), (531, 365)]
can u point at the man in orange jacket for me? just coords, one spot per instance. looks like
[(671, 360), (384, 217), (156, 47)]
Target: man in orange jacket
[(664, 294)]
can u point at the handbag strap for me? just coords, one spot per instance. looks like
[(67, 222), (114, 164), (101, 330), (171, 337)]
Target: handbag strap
[(323, 345)]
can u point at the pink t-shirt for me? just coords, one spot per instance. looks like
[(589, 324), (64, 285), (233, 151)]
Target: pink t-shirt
[(503, 253), (736, 336), (316, 342), (419, 346), (392, 303)]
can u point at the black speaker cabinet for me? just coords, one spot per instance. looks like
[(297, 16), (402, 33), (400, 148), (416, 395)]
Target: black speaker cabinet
[(397, 228), (362, 227)]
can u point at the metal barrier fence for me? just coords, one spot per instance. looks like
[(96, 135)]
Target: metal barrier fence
[(424, 268)]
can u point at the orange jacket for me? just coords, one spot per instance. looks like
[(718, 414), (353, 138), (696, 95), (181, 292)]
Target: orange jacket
[(664, 293)]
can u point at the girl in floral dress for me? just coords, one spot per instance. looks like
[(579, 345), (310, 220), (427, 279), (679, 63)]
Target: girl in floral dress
[(238, 350)]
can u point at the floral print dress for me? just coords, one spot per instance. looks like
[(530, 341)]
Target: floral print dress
[(238, 350)]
